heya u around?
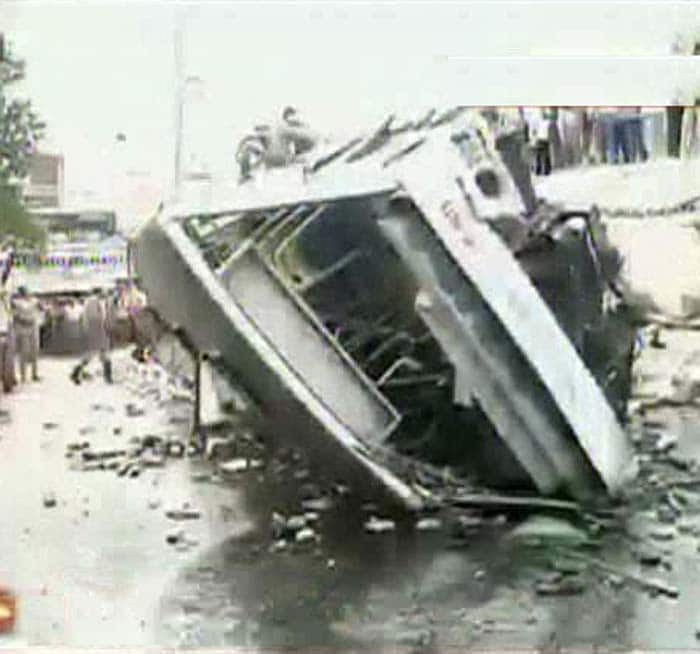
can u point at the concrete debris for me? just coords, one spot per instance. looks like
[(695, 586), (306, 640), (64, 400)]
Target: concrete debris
[(306, 535), (466, 525), (134, 410), (211, 410), (666, 443), (649, 557), (342, 490), (323, 503), (234, 465), (565, 567), (311, 517), (545, 529), (278, 526), (220, 448), (429, 524), (279, 545), (175, 448), (663, 533), (183, 514), (379, 525), (653, 586), (559, 586), (493, 500), (91, 455), (420, 638), (666, 514), (296, 522)]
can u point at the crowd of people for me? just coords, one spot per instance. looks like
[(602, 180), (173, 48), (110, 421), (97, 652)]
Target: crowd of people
[(561, 137), (88, 323)]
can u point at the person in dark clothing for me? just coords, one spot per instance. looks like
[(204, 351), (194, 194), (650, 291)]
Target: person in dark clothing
[(635, 137), (674, 118)]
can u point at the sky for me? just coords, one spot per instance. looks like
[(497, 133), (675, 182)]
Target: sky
[(98, 69)]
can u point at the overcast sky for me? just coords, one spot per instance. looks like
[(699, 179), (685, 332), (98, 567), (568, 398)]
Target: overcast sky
[(96, 69)]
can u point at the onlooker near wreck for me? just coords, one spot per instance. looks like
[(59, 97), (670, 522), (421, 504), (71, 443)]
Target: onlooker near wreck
[(539, 130), (27, 320)]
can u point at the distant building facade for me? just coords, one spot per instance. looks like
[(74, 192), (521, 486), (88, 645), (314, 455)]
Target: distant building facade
[(44, 184)]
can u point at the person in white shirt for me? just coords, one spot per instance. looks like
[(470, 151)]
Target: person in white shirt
[(539, 131), (27, 321)]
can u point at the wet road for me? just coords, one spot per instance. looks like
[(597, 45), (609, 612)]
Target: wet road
[(96, 571)]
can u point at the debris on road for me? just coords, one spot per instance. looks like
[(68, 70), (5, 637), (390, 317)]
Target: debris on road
[(379, 525), (183, 514), (545, 529), (559, 585), (306, 535), (49, 500), (429, 524), (323, 503), (234, 465), (663, 533), (666, 443)]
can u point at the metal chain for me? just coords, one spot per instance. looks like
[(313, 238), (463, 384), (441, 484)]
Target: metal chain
[(691, 205)]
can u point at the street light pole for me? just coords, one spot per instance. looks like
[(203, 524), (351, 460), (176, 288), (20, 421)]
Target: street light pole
[(179, 110)]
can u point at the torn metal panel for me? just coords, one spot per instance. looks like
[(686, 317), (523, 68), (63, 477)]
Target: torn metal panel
[(167, 259), (503, 285), (488, 365)]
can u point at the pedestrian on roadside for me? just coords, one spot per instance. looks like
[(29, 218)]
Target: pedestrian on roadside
[(96, 330), (8, 378), (135, 301), (635, 135), (26, 312), (539, 134), (690, 132), (571, 129), (616, 135)]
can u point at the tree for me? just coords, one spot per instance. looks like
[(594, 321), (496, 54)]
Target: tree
[(16, 223), (20, 127), (20, 131)]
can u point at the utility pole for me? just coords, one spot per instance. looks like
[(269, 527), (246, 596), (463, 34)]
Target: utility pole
[(179, 107)]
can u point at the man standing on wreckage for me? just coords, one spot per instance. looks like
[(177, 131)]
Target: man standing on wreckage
[(275, 147)]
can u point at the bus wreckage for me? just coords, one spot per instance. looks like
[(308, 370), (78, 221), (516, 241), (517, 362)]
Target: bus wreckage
[(407, 293)]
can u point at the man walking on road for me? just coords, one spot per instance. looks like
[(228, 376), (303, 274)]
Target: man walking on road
[(26, 311)]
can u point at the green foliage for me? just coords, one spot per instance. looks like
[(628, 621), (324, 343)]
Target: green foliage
[(20, 127), (16, 224)]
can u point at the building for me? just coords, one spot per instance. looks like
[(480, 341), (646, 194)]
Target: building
[(45, 180)]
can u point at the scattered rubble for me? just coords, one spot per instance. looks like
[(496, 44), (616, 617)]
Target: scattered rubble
[(234, 465), (305, 535), (429, 524), (183, 514), (559, 585), (544, 529), (379, 525), (323, 503)]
